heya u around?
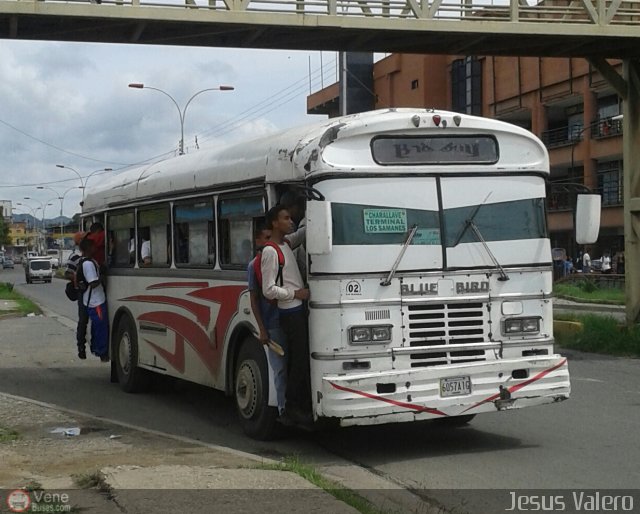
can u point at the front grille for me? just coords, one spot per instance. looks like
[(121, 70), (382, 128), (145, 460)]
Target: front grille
[(445, 324)]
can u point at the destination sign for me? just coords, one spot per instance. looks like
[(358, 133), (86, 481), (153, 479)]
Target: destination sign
[(435, 150), (385, 221)]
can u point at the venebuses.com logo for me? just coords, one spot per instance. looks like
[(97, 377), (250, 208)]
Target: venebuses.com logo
[(21, 500), (18, 501)]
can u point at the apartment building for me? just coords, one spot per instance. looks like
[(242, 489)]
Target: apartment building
[(563, 101)]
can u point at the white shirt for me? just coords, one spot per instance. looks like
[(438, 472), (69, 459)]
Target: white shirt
[(586, 259), (606, 263), (291, 278), (145, 250), (93, 296)]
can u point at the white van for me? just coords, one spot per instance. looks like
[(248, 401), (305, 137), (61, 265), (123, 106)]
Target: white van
[(55, 259), (38, 268)]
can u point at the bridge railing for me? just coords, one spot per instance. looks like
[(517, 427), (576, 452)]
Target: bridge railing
[(595, 12)]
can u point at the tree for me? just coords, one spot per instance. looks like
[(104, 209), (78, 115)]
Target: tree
[(5, 238)]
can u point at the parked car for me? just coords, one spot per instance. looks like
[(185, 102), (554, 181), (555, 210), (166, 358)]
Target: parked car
[(8, 263)]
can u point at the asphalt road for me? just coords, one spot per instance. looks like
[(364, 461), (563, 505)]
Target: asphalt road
[(588, 442)]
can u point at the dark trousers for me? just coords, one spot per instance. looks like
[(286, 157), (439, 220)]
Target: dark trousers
[(83, 321), (294, 325)]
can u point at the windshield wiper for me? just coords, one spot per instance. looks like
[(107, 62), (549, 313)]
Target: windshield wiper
[(469, 220), (474, 228), (394, 268)]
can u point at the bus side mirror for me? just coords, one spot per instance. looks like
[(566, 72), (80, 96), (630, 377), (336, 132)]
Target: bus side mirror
[(319, 228), (587, 219)]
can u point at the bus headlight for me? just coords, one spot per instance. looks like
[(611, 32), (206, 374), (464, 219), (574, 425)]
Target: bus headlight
[(514, 326), (373, 334)]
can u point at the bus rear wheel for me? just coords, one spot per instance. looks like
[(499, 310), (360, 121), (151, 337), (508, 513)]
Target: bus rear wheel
[(251, 387), (132, 379)]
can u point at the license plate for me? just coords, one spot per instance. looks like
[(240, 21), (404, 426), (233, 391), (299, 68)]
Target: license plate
[(455, 386)]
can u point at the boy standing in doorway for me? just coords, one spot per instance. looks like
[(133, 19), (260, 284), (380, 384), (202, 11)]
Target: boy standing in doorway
[(268, 320), (289, 290)]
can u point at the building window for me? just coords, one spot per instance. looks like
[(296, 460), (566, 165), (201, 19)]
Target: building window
[(610, 182), (466, 86), (609, 106), (414, 84)]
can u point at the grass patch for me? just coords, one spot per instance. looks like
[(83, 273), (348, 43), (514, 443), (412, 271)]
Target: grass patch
[(87, 480), (601, 334), (310, 474), (8, 435), (588, 291), (24, 305)]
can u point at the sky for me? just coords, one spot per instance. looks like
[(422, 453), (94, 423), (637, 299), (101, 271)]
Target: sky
[(70, 104)]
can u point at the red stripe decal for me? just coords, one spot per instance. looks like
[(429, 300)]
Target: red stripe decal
[(227, 298), (191, 333), (411, 406), (201, 312), (163, 285), (519, 386), (176, 359)]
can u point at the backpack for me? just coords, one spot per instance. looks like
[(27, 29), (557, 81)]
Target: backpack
[(76, 288), (257, 263)]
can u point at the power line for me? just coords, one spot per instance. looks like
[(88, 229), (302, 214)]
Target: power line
[(57, 147)]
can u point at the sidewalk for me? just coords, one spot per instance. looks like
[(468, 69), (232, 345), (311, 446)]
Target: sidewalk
[(107, 466), (615, 311), (113, 469)]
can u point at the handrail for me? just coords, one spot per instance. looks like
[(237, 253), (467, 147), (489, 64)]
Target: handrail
[(589, 12)]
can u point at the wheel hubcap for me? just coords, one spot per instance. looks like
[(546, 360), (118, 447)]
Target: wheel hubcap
[(124, 353), (247, 389)]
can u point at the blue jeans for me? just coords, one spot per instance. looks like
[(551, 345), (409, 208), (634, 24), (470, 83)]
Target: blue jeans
[(279, 366), (99, 330)]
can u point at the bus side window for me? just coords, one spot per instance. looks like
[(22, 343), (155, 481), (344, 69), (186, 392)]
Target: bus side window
[(194, 237), (154, 237), (120, 236), (236, 218)]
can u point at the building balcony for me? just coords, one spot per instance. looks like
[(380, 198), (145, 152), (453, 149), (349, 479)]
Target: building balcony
[(570, 135)]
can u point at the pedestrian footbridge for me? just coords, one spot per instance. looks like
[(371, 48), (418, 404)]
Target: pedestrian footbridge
[(579, 28)]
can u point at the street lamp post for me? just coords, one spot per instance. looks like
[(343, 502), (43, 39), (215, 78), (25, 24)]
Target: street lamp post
[(181, 112), (43, 206), (61, 198), (83, 183), (83, 180), (32, 211)]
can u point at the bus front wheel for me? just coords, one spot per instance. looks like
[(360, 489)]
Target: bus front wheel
[(251, 387), (132, 379)]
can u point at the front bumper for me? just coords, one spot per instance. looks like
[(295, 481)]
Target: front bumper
[(357, 399)]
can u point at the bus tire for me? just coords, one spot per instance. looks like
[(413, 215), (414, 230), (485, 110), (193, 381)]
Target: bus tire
[(455, 421), (251, 392), (132, 379)]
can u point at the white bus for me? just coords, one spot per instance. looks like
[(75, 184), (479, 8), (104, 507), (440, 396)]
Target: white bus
[(428, 261)]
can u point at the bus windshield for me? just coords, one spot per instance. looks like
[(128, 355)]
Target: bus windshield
[(508, 213)]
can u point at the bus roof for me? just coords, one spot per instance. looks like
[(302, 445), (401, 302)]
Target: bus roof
[(324, 147)]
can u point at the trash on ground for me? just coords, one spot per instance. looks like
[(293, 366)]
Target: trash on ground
[(114, 436), (70, 431)]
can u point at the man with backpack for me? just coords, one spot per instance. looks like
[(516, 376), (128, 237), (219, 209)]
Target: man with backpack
[(71, 267), (93, 299), (282, 281), (267, 317)]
